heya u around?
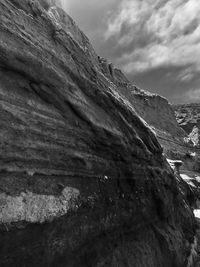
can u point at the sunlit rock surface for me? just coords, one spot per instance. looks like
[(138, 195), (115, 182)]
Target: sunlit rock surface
[(82, 178), (188, 117)]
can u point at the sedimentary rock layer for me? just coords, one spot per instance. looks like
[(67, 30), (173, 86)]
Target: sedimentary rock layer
[(82, 178)]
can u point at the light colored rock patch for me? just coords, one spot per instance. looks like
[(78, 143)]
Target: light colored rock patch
[(35, 208), (197, 213)]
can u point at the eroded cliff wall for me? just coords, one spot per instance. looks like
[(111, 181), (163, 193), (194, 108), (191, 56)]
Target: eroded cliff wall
[(82, 178), (157, 112), (188, 117)]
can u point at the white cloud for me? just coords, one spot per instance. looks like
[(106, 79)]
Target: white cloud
[(171, 29), (187, 74), (192, 95), (65, 4)]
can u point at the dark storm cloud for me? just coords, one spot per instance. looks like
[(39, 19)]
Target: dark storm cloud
[(155, 42)]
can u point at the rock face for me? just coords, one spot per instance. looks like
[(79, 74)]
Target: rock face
[(82, 178), (188, 117), (154, 109)]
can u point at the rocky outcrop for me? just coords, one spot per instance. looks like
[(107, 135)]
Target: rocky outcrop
[(83, 181), (154, 109), (188, 117)]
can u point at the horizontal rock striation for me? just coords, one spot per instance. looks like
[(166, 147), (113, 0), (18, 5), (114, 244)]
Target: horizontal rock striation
[(154, 109), (82, 178)]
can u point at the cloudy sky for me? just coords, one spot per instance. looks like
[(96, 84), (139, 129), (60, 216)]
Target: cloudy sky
[(155, 42)]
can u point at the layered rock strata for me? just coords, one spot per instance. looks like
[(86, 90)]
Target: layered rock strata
[(157, 112), (83, 181)]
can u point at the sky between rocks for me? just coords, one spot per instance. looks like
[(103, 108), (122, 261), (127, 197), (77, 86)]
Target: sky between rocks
[(155, 42)]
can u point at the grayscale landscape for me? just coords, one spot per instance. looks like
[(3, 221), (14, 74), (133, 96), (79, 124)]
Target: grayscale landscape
[(99, 135)]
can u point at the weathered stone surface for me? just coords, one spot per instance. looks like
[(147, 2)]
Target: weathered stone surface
[(154, 109), (188, 117), (82, 177), (35, 208)]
